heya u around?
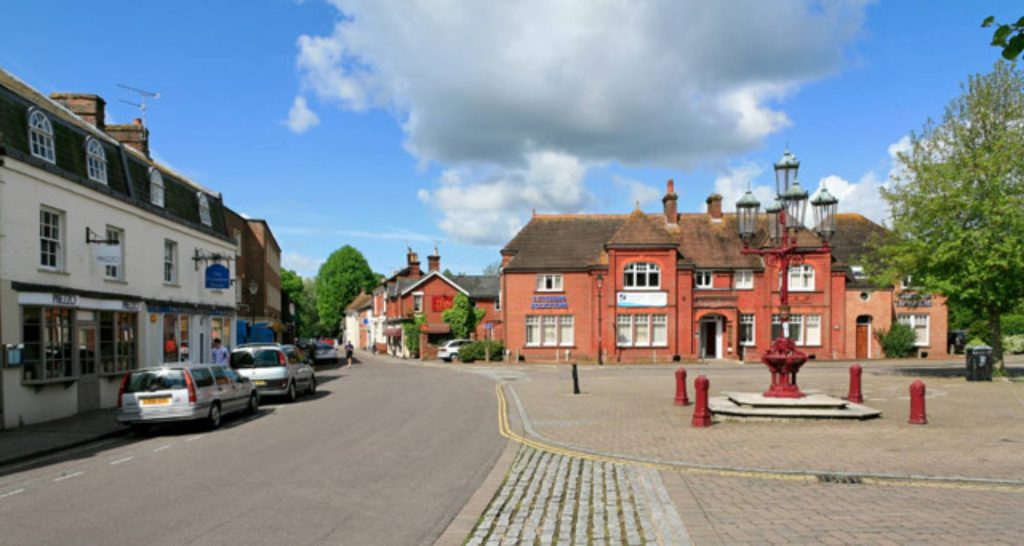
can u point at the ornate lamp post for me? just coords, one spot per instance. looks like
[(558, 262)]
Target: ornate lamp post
[(253, 288), (600, 344), (785, 218)]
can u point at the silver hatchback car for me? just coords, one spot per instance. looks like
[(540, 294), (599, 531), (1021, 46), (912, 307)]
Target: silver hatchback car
[(183, 392), (273, 371)]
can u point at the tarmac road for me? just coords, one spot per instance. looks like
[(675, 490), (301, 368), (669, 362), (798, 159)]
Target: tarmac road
[(383, 454)]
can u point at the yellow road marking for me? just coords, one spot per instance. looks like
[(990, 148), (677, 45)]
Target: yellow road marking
[(506, 430)]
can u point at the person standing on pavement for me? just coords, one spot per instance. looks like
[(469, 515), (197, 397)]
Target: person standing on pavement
[(221, 355), (348, 352)]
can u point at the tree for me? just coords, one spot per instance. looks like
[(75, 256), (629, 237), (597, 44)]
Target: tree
[(341, 278), (493, 268), (462, 317), (958, 209), (1009, 37), (291, 286)]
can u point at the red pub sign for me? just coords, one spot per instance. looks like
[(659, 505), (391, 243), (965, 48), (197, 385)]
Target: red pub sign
[(441, 303)]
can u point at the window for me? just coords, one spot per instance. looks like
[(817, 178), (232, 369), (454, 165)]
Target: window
[(702, 279), (202, 377), (641, 275), (796, 329), (801, 278), (117, 342), (40, 136), (532, 330), (919, 324), (858, 272), (51, 239), (115, 272), (204, 209), (747, 330), (170, 262), (744, 279), (417, 302), (96, 160), (803, 330), (156, 187), (813, 334), (549, 282), (48, 347), (641, 330), (549, 332), (906, 281), (566, 337)]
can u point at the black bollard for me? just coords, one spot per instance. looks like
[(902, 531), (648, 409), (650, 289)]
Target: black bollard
[(575, 380)]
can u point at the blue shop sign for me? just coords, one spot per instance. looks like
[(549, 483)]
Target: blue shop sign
[(549, 302), (218, 277)]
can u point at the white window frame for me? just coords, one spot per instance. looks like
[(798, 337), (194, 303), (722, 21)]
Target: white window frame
[(204, 209), (659, 323), (704, 279), (533, 330), (743, 279), (417, 302), (634, 272), (913, 320), (115, 272), (796, 328), (627, 322), (566, 325), (550, 282), (812, 321), (95, 161), (40, 136), (750, 319), (170, 262), (547, 321), (57, 224), (801, 278), (156, 188), (634, 322)]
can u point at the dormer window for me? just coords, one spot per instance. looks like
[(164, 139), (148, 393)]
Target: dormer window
[(156, 187), (96, 160), (40, 136), (204, 209), (641, 275)]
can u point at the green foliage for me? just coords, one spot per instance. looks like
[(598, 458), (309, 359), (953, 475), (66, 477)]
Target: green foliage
[(339, 281), (462, 317), (412, 335), (898, 341), (974, 342), (1013, 324), (1009, 37), (478, 351), (292, 286), (1014, 344), (959, 199)]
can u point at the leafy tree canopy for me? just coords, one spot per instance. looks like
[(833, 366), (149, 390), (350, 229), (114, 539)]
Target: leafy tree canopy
[(462, 317), (341, 278), (1009, 37)]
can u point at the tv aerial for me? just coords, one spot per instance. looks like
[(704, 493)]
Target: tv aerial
[(143, 96)]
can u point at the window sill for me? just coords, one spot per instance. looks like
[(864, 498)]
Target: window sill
[(665, 346), (53, 271), (641, 288), (172, 285), (115, 281), (40, 384), (550, 291)]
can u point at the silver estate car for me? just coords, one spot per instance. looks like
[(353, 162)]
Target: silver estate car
[(273, 371), (183, 392)]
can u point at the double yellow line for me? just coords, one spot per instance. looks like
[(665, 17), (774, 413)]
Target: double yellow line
[(506, 430)]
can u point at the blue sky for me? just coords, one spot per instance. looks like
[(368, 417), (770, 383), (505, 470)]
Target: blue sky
[(448, 126)]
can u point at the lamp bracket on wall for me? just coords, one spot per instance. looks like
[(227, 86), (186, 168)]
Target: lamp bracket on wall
[(92, 238)]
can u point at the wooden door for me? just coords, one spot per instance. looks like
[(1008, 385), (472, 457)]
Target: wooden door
[(862, 341)]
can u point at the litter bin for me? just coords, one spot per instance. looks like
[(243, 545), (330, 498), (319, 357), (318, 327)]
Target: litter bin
[(979, 363)]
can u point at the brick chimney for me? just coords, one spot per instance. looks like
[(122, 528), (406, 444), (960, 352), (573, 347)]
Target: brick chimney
[(670, 202), (413, 262), (91, 108), (134, 134), (714, 202), (434, 262)]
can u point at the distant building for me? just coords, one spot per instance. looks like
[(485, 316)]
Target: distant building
[(259, 266), (359, 321)]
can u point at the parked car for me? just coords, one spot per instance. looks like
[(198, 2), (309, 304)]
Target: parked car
[(183, 392), (450, 350), (296, 352), (325, 353), (272, 371)]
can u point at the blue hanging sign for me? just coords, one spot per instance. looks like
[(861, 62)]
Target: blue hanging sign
[(218, 277)]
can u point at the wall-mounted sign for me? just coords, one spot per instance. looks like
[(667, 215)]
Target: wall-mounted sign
[(913, 299), (641, 299), (74, 300), (441, 303), (108, 254), (218, 277), (549, 302)]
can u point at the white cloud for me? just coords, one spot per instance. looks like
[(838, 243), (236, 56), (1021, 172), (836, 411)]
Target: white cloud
[(732, 183), (300, 117), (864, 196), (306, 266), (245, 215), (638, 191), (487, 206)]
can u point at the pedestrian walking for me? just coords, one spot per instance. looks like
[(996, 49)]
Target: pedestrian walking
[(221, 355), (348, 352)]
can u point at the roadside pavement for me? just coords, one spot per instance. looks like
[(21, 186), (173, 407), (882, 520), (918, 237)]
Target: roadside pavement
[(29, 442)]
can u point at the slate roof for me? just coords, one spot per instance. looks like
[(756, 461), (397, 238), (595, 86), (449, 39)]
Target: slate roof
[(362, 301), (561, 242), (127, 169), (478, 286), (854, 236)]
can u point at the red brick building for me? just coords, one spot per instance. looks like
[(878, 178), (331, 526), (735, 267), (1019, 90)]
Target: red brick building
[(665, 287), (410, 293)]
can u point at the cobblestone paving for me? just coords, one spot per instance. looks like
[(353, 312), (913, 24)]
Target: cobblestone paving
[(554, 499)]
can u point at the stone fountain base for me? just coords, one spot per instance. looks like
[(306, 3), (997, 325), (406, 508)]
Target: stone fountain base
[(749, 405)]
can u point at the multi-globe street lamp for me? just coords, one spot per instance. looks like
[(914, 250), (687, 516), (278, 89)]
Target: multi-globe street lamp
[(785, 218)]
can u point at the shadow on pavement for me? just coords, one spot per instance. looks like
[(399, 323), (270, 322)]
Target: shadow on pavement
[(947, 371)]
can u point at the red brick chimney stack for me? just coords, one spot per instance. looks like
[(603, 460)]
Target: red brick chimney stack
[(91, 108), (670, 202), (413, 261), (134, 134), (714, 202), (434, 262)]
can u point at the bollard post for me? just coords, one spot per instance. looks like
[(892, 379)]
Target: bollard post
[(917, 413), (575, 380), (681, 398), (855, 395), (701, 413)]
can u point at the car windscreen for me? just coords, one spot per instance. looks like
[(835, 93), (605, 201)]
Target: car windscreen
[(323, 347), (155, 380), (256, 358)]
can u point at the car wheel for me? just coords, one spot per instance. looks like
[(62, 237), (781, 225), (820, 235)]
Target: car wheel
[(292, 394), (254, 404), (214, 419), (312, 386), (455, 358)]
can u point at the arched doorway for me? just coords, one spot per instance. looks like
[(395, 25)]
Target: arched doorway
[(710, 334), (863, 336)]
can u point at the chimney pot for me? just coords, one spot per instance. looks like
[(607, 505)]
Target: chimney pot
[(670, 202), (714, 202), (433, 263)]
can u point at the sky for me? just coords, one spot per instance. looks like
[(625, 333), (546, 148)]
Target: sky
[(387, 124)]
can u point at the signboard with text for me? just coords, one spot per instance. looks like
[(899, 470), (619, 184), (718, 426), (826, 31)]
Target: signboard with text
[(441, 303), (641, 299), (549, 302), (218, 277), (108, 254)]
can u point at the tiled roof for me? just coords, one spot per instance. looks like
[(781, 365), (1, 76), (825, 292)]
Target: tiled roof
[(561, 242), (644, 229), (854, 236), (710, 244), (362, 301), (478, 286)]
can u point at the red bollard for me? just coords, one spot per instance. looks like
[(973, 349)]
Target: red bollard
[(917, 415), (701, 413), (855, 395), (681, 398)]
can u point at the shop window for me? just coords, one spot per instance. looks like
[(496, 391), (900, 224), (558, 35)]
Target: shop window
[(919, 324), (702, 279), (183, 329), (641, 330), (40, 136), (170, 337), (51, 239), (96, 160), (48, 346), (641, 275), (117, 342), (747, 329), (744, 279), (549, 282)]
